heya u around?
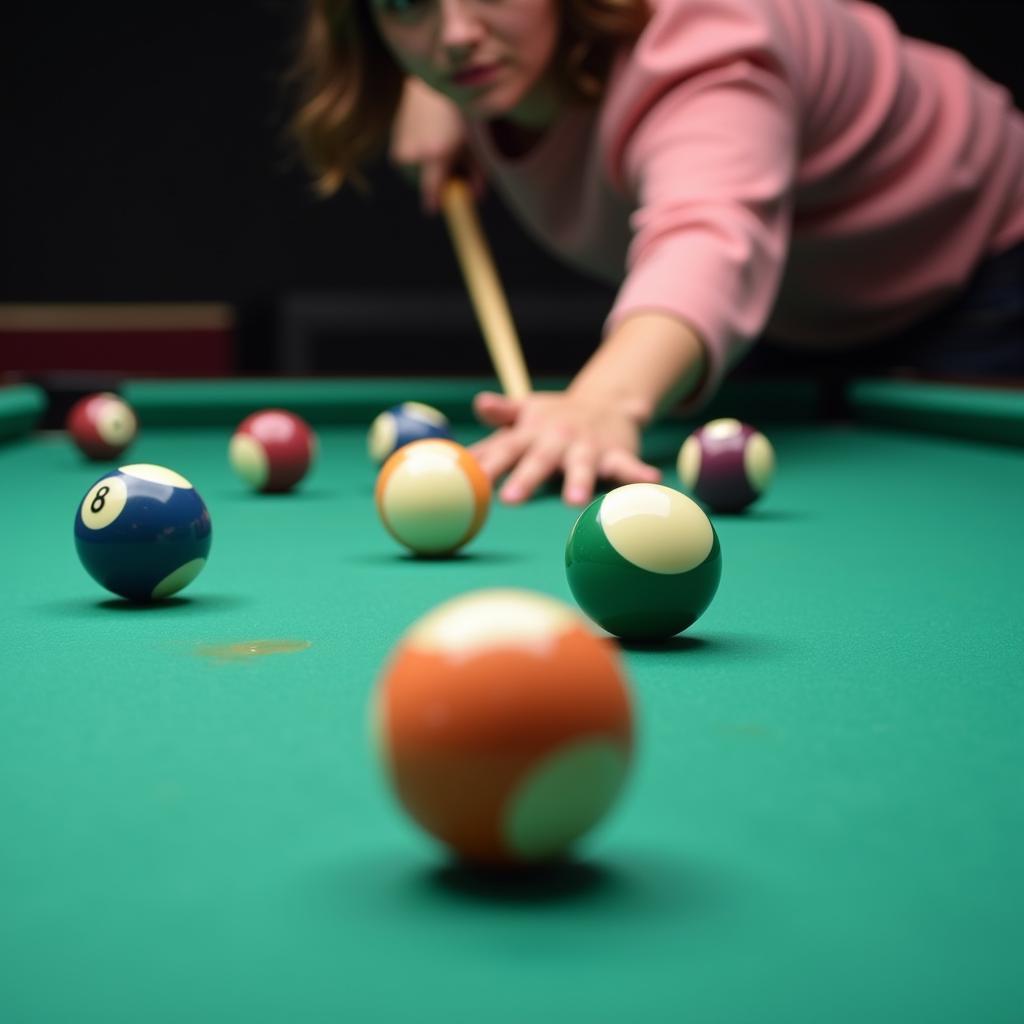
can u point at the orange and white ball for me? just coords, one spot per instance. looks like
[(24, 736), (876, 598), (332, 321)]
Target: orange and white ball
[(432, 496), (103, 425), (505, 726), (272, 450)]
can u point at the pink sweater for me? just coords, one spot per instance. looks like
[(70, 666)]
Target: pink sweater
[(790, 167)]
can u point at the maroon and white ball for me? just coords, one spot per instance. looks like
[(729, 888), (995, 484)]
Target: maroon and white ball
[(726, 464), (103, 425), (272, 450)]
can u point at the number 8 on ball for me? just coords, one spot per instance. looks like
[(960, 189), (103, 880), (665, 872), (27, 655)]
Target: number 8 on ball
[(143, 532)]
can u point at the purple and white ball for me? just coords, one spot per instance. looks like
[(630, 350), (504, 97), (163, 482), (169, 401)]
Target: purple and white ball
[(726, 464), (402, 424)]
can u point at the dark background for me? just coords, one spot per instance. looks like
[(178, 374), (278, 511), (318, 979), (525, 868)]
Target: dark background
[(145, 159)]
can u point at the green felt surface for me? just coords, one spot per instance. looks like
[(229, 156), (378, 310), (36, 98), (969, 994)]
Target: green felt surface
[(985, 414), (824, 822)]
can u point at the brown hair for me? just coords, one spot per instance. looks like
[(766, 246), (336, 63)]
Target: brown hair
[(350, 84)]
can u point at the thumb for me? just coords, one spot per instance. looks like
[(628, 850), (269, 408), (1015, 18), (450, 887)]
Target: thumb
[(495, 410), (477, 180), (433, 175)]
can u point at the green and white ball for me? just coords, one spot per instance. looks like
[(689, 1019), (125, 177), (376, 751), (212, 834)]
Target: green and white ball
[(643, 561)]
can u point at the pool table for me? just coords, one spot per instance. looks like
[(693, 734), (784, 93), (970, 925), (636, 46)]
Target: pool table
[(824, 820)]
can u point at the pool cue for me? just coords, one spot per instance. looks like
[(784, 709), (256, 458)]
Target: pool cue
[(484, 287)]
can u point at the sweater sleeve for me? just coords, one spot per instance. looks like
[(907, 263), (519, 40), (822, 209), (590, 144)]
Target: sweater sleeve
[(708, 148)]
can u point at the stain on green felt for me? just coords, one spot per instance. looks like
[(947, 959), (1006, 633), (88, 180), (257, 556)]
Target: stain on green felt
[(246, 650)]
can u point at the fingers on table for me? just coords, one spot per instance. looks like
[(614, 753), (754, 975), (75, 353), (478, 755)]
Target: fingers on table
[(580, 473), (624, 467), (541, 459), (498, 453), (529, 462), (495, 410)]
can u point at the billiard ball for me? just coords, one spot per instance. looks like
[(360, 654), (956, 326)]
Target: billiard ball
[(401, 424), (504, 724), (432, 496), (103, 425), (643, 561), (726, 464), (143, 532), (271, 450)]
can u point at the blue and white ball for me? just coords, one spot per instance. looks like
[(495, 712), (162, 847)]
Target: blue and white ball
[(401, 424), (143, 532)]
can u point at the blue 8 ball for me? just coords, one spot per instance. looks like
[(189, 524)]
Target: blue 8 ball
[(143, 532)]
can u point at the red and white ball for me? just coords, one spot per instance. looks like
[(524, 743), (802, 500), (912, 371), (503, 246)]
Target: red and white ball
[(272, 450), (103, 425), (432, 496), (727, 464), (505, 726)]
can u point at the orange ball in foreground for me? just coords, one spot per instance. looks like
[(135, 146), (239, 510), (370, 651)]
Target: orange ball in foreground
[(505, 725), (432, 496)]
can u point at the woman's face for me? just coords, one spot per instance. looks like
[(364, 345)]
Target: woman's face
[(491, 57)]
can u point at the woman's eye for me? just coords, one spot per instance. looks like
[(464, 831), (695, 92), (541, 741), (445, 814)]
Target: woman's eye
[(402, 8)]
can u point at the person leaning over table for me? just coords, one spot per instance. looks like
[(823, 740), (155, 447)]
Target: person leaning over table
[(794, 169)]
